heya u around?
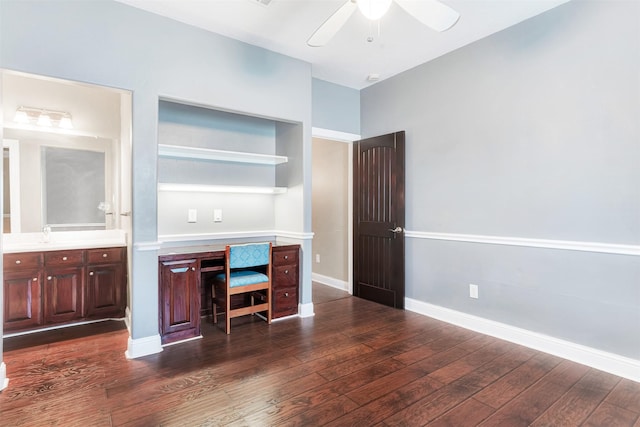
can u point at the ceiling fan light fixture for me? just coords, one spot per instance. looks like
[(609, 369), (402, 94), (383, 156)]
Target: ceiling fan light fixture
[(374, 9)]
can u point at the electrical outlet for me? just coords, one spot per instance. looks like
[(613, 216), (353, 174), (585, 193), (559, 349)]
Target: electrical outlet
[(473, 291), (217, 215), (192, 215), (318, 258)]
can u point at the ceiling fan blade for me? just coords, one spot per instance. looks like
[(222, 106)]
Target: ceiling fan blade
[(431, 13), (332, 25)]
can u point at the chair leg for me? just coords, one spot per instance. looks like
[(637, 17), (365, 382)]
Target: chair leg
[(227, 314)]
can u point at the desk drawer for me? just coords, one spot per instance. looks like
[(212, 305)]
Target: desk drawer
[(22, 260), (285, 302), (282, 257), (285, 275)]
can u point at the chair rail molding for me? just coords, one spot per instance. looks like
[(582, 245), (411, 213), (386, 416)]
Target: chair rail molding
[(607, 248)]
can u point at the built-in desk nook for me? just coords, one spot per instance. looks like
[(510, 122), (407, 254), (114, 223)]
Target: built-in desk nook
[(185, 293)]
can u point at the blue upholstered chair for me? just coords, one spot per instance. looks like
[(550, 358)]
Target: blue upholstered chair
[(248, 272)]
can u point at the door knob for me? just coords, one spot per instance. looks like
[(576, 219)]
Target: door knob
[(396, 230)]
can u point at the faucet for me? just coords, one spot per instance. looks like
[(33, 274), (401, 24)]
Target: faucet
[(45, 233)]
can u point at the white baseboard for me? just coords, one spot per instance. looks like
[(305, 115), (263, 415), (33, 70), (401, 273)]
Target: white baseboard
[(330, 281), (143, 346), (4, 381), (598, 359), (306, 310)]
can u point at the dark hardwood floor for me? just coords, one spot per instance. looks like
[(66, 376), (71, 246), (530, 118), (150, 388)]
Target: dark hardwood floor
[(355, 363)]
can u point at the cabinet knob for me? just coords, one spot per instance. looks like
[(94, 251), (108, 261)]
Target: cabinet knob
[(286, 294), (18, 261), (35, 279), (193, 269), (104, 255), (286, 272), (49, 277), (64, 258), (286, 257), (91, 273)]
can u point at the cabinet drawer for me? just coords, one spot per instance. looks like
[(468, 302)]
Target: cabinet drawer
[(289, 256), (102, 256), (285, 275), (285, 301), (64, 258), (22, 260)]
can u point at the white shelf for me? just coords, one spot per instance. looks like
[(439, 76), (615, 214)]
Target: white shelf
[(182, 152), (197, 188)]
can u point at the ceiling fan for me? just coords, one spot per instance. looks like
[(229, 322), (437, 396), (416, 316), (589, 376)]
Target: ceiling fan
[(431, 13)]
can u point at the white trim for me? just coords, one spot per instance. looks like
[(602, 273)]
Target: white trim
[(201, 188), (4, 381), (608, 248), (330, 281), (305, 310), (147, 246), (199, 337), (291, 316), (62, 326), (235, 235), (185, 152), (143, 346), (608, 362), (14, 177), (127, 319), (334, 135)]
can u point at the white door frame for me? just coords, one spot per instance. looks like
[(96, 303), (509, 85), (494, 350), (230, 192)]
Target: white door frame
[(14, 177), (348, 138)]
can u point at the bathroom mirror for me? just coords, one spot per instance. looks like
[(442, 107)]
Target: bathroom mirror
[(71, 177)]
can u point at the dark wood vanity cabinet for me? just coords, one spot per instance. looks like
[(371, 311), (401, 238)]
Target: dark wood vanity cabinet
[(179, 299), (22, 291), (286, 280), (106, 283), (62, 290), (56, 287)]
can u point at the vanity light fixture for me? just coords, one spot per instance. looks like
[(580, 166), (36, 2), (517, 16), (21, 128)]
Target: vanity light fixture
[(374, 9), (43, 117)]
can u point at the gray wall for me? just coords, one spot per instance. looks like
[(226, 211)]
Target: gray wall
[(335, 107), (330, 208), (533, 132), (108, 43)]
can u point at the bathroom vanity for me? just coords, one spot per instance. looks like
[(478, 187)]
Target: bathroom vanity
[(67, 281)]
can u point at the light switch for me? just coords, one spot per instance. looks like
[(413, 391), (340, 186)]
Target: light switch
[(217, 215), (193, 215)]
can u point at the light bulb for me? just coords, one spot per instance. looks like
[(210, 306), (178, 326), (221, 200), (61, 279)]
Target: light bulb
[(21, 117), (44, 120), (374, 9), (65, 123)]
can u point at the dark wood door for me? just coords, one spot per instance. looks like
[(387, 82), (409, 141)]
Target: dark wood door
[(179, 299), (22, 303), (63, 298), (378, 223), (105, 288)]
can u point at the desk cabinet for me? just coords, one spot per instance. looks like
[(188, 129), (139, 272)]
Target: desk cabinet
[(179, 300), (286, 280), (52, 288)]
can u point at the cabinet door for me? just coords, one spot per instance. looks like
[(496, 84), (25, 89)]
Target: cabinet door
[(105, 290), (22, 302), (63, 294), (180, 300)]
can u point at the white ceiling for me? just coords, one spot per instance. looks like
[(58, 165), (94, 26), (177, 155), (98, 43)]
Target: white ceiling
[(285, 25)]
